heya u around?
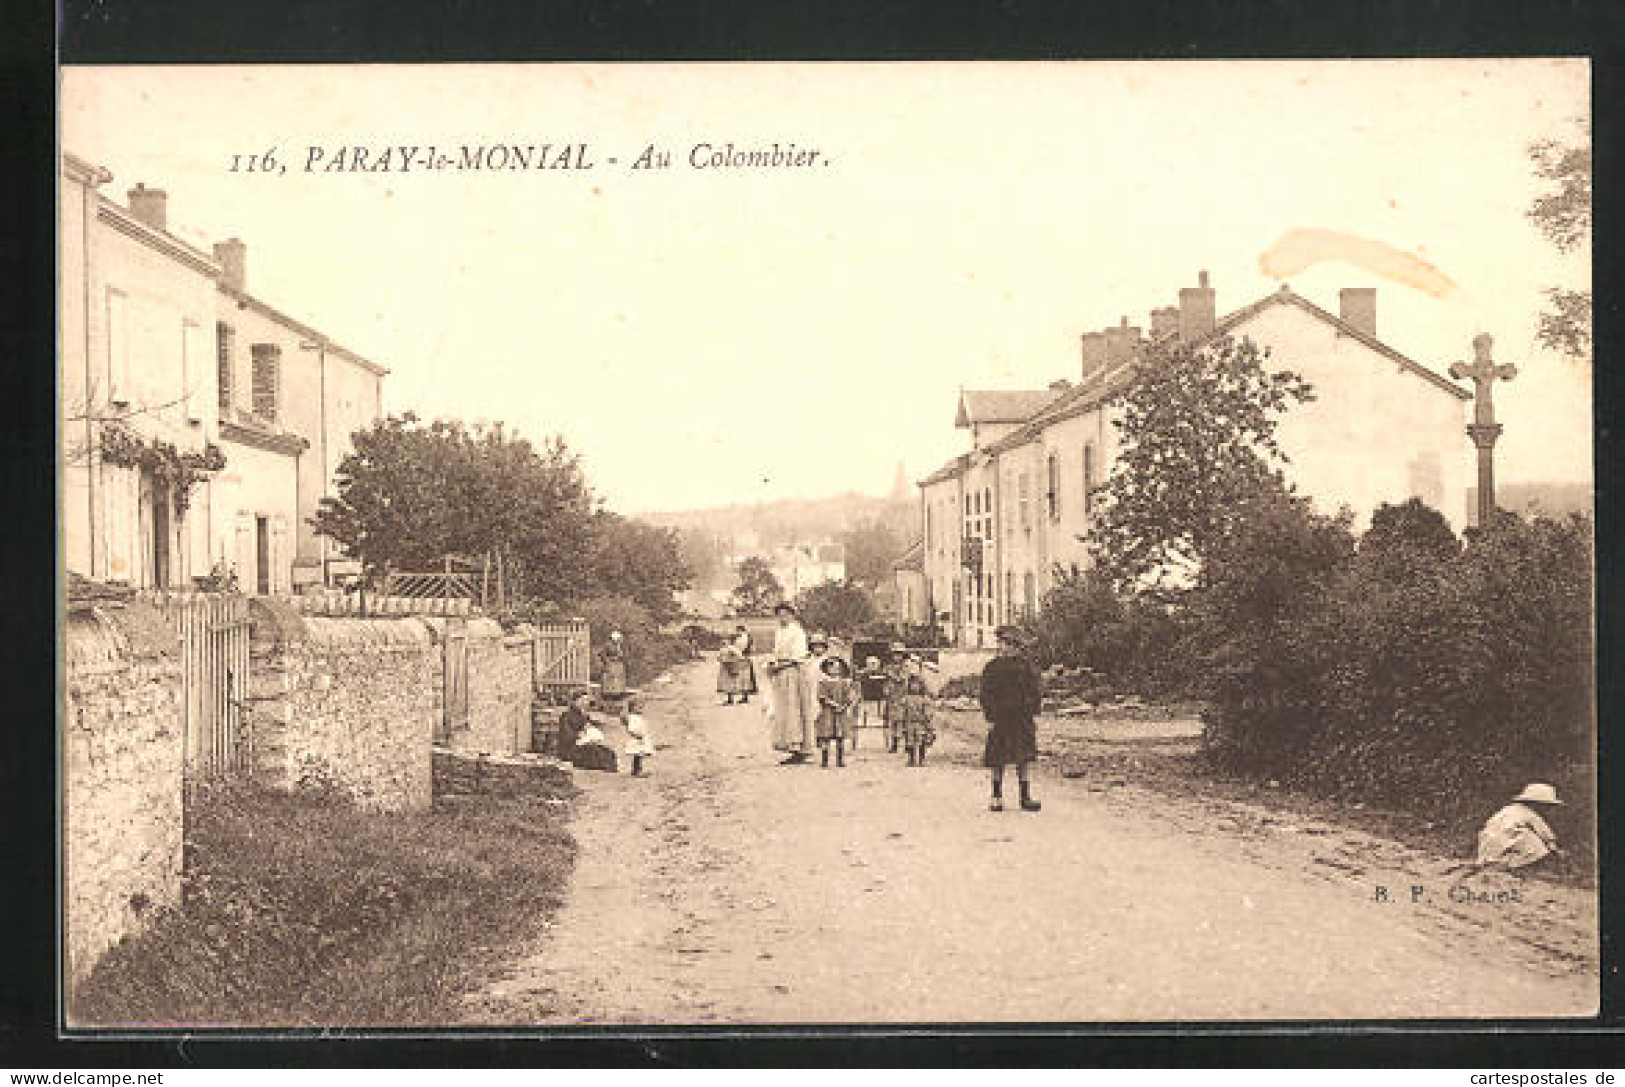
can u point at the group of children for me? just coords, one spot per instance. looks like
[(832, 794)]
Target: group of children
[(895, 694)]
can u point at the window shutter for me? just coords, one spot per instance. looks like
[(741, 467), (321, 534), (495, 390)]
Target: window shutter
[(1088, 477), (118, 348), (267, 379), (225, 340)]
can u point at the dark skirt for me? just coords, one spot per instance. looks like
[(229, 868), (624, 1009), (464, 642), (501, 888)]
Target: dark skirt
[(736, 677), (1011, 742), (594, 757)]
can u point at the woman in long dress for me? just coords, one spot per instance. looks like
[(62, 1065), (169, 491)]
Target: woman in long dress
[(795, 707), (613, 676), (736, 673)]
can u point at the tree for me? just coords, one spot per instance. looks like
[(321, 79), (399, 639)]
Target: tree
[(841, 608), (638, 561), (410, 494), (1197, 429), (1563, 215), (758, 590), (871, 547)]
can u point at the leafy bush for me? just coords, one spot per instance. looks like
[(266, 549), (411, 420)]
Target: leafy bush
[(649, 649), (1132, 642), (1416, 670)]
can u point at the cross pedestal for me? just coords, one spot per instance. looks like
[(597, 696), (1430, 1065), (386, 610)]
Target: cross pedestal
[(1484, 430)]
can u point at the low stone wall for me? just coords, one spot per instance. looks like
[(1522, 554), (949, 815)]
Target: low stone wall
[(499, 693), (953, 663), (123, 762), (470, 773), (347, 704)]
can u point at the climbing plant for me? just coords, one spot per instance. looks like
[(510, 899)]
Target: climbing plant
[(178, 472)]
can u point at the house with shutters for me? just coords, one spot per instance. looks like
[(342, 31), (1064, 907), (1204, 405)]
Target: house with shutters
[(162, 347), (1000, 518)]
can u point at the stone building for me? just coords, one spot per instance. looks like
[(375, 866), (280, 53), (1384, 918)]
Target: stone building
[(1000, 518), (164, 356)]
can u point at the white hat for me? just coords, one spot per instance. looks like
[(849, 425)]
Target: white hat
[(1540, 794)]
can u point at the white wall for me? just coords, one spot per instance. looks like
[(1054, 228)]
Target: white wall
[(1375, 433)]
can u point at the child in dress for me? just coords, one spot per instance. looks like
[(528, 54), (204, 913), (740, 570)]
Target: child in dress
[(837, 695), (639, 740), (915, 712), (896, 682)]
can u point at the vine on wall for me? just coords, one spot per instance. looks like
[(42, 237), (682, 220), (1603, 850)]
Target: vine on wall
[(176, 471)]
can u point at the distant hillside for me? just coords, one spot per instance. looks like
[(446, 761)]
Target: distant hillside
[(709, 535), (1537, 499)]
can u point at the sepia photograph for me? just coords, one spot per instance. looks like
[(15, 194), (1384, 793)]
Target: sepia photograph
[(573, 547)]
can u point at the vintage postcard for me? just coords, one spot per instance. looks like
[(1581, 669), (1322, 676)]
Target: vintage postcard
[(703, 545)]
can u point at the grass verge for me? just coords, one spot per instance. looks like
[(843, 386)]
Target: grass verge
[(299, 910)]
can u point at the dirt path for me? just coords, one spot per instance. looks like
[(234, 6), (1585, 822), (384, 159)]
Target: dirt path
[(729, 889)]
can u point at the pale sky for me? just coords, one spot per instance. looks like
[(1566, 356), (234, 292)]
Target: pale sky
[(713, 336)]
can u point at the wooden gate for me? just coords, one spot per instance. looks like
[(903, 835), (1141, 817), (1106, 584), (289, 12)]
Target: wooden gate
[(561, 656), (214, 634), (454, 700)]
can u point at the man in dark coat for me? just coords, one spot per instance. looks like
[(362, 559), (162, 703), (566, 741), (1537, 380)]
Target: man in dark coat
[(1011, 694)]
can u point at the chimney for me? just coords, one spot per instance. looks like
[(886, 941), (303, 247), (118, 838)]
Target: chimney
[(151, 206), (1197, 310), (1094, 356), (1164, 322), (232, 255), (1359, 308), (1121, 341)]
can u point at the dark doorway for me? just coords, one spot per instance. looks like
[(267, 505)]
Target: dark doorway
[(158, 501), (262, 556)]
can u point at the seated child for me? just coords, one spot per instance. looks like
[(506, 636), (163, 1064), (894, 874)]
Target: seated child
[(915, 712), (1518, 835), (639, 740), (837, 694)]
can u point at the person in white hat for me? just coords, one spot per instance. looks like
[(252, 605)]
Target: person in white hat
[(1518, 835)]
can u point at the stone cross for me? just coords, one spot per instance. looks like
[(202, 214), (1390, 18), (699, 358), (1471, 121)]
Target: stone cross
[(1483, 430)]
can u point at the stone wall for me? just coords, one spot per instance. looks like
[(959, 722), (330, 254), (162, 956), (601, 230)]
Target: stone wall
[(499, 696), (122, 766), (347, 704), (471, 773), (953, 663)]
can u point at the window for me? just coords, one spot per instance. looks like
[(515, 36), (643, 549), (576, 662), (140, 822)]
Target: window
[(1052, 496), (1088, 477), (1023, 502), (118, 347), (1010, 596), (225, 339), (267, 379)]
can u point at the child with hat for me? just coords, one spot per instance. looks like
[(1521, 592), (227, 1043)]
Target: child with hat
[(1518, 835), (1012, 693), (837, 694)]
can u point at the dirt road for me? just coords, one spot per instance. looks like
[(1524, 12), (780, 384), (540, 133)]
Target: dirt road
[(728, 889)]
